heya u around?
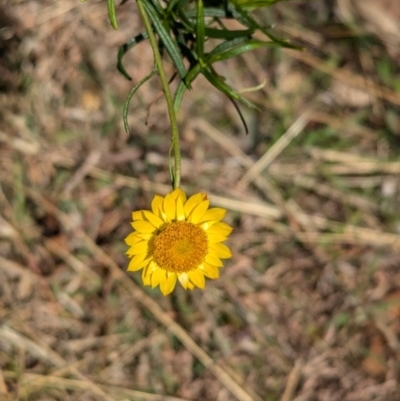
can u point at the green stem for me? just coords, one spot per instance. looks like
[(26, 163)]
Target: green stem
[(167, 93)]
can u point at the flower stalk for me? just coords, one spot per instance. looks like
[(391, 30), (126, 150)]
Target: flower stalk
[(176, 169)]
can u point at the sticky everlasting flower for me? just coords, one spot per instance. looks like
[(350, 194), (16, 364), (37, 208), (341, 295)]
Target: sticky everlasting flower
[(179, 239)]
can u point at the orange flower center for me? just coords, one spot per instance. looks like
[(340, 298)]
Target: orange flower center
[(181, 247)]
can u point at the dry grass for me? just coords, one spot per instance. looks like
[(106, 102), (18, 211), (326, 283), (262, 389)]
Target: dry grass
[(309, 307)]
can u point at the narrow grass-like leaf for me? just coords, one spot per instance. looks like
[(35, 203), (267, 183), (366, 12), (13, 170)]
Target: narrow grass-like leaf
[(212, 12), (124, 48), (246, 128), (225, 46), (180, 91), (214, 33), (166, 39), (243, 16), (217, 81), (188, 24), (112, 14), (257, 3), (172, 4), (184, 26), (238, 49), (190, 77), (200, 27), (228, 34), (157, 6), (235, 11), (131, 93)]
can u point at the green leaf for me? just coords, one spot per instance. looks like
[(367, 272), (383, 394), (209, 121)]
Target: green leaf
[(131, 93), (112, 14), (200, 27), (183, 85), (166, 39), (172, 4), (256, 3), (235, 11), (246, 128), (225, 46), (217, 81), (212, 12), (125, 48), (158, 7), (228, 34), (179, 95), (238, 49), (242, 16)]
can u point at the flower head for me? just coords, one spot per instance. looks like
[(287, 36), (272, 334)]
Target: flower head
[(179, 239)]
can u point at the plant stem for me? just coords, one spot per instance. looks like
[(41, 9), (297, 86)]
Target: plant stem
[(167, 93)]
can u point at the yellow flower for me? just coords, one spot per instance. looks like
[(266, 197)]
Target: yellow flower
[(179, 239)]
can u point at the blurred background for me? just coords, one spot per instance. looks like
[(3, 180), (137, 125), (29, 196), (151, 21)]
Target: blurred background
[(309, 306)]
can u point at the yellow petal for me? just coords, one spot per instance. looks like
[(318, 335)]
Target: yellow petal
[(192, 202), (146, 237), (131, 252), (221, 250), (190, 286), (153, 266), (169, 207), (216, 214), (210, 271), (138, 215), (146, 275), (147, 272), (140, 247), (143, 227), (197, 278), (178, 193), (137, 262), (156, 205), (157, 277), (184, 280), (213, 260), (153, 219), (132, 239), (167, 286), (206, 225), (198, 212), (180, 211), (220, 228), (214, 238)]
